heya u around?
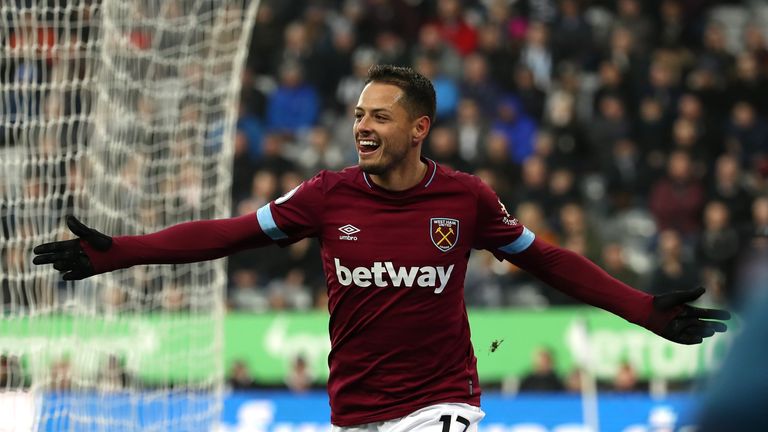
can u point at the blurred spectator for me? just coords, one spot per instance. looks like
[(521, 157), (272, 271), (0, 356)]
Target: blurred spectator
[(534, 186), (536, 54), (396, 16), (517, 126), (392, 49), (755, 44), (662, 84), (532, 215), (688, 139), (573, 382), (297, 51), (316, 152), (614, 262), (627, 175), (477, 84), (263, 190), (575, 226), (626, 379), (674, 29), (173, 298), (113, 376), (324, 59), (245, 294), (500, 55), (60, 375), (454, 28), (12, 375), (510, 19), (714, 54), (747, 134), (239, 376), (674, 270), (294, 105), (749, 84), (265, 41), (562, 140), (299, 378), (274, 151), (677, 199), (495, 159), (290, 292), (472, 130), (446, 90), (613, 82), (706, 130), (542, 377), (572, 35), (653, 133), (630, 15), (485, 284), (562, 190), (351, 84), (718, 243), (431, 44), (443, 147), (610, 124), (243, 168), (531, 96), (337, 60), (252, 129)]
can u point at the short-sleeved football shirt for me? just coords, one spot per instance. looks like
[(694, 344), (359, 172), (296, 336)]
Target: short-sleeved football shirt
[(395, 264)]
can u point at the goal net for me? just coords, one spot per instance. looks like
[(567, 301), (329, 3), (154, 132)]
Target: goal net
[(122, 113)]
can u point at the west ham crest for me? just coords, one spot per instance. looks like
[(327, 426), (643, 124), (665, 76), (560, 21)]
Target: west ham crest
[(444, 233)]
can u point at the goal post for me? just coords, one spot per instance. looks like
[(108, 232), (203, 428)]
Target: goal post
[(121, 112)]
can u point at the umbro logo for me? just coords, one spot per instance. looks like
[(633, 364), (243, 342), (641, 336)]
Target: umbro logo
[(348, 230)]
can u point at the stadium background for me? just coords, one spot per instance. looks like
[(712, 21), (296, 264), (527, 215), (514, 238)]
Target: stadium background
[(634, 133)]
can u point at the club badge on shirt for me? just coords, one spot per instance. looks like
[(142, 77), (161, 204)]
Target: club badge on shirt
[(444, 233)]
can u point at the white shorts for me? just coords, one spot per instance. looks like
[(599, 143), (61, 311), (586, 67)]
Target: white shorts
[(444, 417)]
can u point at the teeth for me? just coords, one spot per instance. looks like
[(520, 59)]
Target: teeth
[(368, 143)]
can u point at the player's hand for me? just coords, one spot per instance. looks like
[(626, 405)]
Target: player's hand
[(68, 256), (691, 324)]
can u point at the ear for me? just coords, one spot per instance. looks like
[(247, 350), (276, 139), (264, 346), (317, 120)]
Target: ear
[(420, 129)]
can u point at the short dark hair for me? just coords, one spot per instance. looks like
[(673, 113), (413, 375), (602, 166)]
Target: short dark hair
[(418, 93)]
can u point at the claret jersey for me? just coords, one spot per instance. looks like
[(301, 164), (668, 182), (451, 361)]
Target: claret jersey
[(395, 264)]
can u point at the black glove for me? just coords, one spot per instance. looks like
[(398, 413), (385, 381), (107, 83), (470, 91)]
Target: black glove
[(691, 325), (68, 256)]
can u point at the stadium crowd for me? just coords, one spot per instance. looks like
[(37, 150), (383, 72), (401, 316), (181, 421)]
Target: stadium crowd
[(634, 133)]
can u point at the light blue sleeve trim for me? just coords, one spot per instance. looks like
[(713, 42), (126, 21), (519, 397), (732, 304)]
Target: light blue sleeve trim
[(521, 243), (267, 223)]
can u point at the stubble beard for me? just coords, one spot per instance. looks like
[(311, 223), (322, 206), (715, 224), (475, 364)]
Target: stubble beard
[(385, 162)]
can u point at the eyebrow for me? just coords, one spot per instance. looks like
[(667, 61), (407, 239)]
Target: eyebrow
[(374, 110)]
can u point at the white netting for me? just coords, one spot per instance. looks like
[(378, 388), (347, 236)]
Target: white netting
[(122, 113)]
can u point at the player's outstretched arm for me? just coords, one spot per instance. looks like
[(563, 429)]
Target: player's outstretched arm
[(93, 252), (668, 315)]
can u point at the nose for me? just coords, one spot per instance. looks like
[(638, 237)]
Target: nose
[(363, 125)]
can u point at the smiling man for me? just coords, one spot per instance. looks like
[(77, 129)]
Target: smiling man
[(396, 232)]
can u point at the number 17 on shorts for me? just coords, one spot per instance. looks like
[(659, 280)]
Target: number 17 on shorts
[(444, 417)]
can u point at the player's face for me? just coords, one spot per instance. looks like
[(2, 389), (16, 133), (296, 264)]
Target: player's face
[(383, 129)]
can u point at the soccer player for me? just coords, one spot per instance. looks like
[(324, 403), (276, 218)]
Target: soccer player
[(396, 232)]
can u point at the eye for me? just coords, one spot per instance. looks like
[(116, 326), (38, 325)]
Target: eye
[(358, 116)]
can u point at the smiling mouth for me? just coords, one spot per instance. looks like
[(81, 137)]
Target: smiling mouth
[(367, 146)]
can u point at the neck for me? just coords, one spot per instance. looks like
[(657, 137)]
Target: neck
[(404, 176)]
